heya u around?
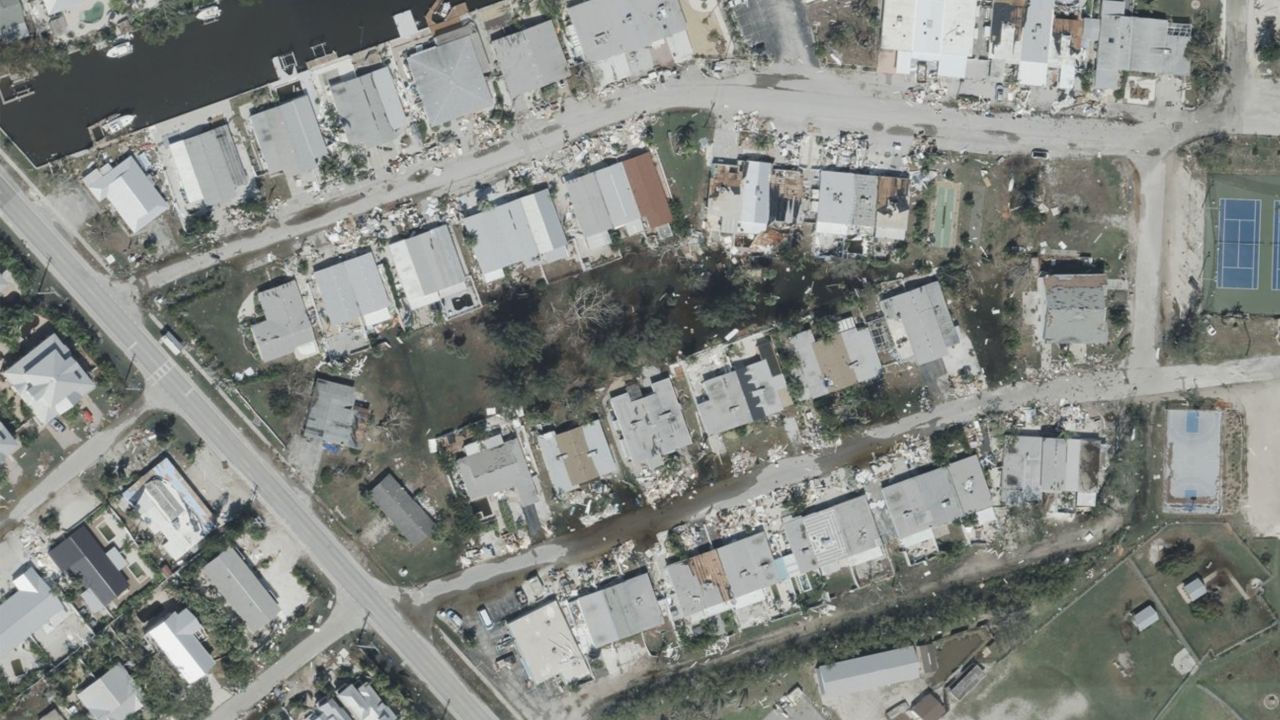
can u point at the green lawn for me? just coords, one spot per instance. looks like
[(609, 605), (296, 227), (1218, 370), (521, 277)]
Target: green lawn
[(1193, 703), (443, 386), (687, 172), (1218, 545), (1076, 653), (212, 316), (1246, 676), (93, 14), (45, 451)]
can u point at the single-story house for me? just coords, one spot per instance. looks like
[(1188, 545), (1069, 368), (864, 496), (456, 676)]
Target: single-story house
[(546, 646), (370, 108), (623, 39), (523, 230), (49, 379), (406, 514), (208, 165), (177, 637), (869, 672), (243, 589), (99, 567), (332, 418), (741, 393), (289, 137), (832, 364), (131, 194), (450, 77), (530, 57), (1075, 309), (833, 537), (428, 268), (285, 329), (577, 456), (649, 422), (620, 610), (112, 696)]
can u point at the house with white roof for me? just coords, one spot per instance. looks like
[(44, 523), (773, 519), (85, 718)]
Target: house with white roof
[(603, 202), (1037, 468), (923, 330), (370, 108), (352, 301), (832, 537), (209, 167), (832, 364), (846, 205), (49, 379), (242, 588), (30, 610), (130, 192), (620, 610), (740, 393), (623, 39), (428, 268), (112, 696), (648, 421), (285, 329), (450, 77), (922, 506), (521, 231), (941, 34), (734, 576), (530, 57), (546, 646), (577, 456), (362, 702), (178, 637), (170, 507), (289, 137)]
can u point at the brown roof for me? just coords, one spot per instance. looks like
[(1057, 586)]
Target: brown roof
[(646, 185), (928, 706), (707, 569), (577, 457)]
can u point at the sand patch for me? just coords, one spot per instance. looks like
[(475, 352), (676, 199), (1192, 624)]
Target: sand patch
[(1069, 707)]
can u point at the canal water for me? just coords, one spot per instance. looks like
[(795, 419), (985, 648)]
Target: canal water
[(206, 64)]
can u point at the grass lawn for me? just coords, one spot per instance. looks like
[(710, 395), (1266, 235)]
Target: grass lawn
[(1065, 659), (1193, 703), (44, 451), (341, 496), (687, 173), (93, 14), (212, 316), (1217, 547), (1174, 8), (1246, 676), (444, 386)]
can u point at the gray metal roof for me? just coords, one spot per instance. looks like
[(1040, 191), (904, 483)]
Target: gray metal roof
[(245, 592), (129, 190), (289, 137), (498, 468), (846, 202), (368, 103), (1075, 308), (620, 611), (113, 696), (833, 537), (648, 417), (869, 671), (80, 553), (409, 518), (285, 325), (936, 498), (332, 417), (736, 395), (1194, 460), (216, 169), (576, 456), (428, 267), (1144, 616), (28, 608), (450, 78), (352, 293), (748, 564), (927, 320), (620, 27), (1038, 466), (531, 58), (836, 363), (603, 201), (364, 703), (519, 231), (1136, 44)]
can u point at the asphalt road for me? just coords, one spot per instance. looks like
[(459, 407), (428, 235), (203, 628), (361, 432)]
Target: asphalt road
[(114, 309), (795, 97)]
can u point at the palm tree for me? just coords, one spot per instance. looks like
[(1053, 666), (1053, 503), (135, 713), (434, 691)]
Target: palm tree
[(685, 138)]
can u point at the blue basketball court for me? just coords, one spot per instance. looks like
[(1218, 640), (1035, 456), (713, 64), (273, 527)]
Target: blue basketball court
[(1238, 243)]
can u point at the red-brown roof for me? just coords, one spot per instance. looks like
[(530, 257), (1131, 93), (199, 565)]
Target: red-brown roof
[(651, 194)]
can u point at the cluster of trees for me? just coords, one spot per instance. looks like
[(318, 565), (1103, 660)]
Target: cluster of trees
[(871, 403), (34, 55), (1267, 45), (346, 165), (557, 344), (1208, 66), (1177, 558), (711, 690), (1024, 198)]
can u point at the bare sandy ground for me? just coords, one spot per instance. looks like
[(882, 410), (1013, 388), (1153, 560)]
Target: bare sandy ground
[(1069, 707), (1184, 235), (1261, 406)]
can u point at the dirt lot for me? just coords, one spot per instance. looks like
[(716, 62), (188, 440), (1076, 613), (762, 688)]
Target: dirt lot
[(845, 29)]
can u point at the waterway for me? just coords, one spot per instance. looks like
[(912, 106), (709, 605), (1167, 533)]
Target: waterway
[(206, 64)]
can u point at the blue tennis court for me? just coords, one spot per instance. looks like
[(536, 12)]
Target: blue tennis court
[(1238, 244)]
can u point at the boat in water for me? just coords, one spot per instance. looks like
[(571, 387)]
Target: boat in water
[(117, 124), (209, 13), (120, 49)]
